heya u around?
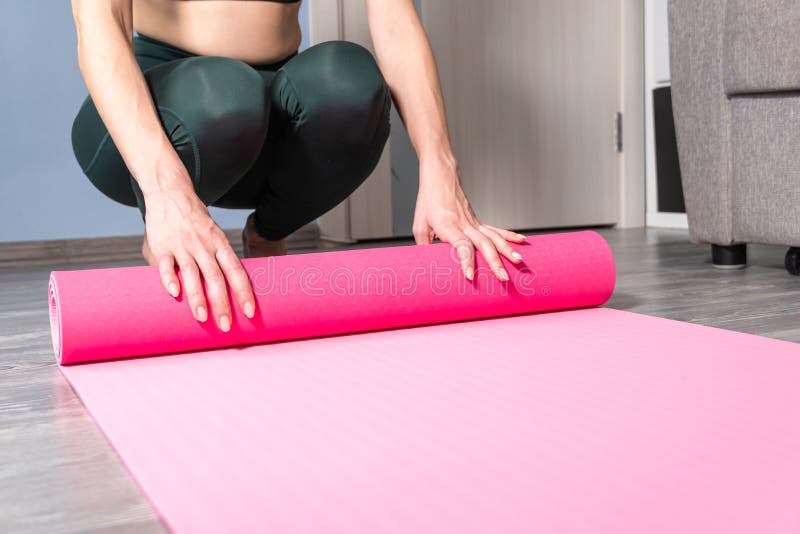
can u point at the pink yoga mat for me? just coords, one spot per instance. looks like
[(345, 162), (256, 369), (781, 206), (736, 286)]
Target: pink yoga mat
[(115, 313), (589, 420)]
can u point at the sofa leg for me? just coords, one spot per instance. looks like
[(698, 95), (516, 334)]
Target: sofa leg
[(729, 257), (792, 261)]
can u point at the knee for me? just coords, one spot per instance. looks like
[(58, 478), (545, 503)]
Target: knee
[(352, 74), (218, 105), (223, 90), (347, 96), (98, 157)]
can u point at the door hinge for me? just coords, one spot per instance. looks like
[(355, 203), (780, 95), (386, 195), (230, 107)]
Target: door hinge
[(618, 131)]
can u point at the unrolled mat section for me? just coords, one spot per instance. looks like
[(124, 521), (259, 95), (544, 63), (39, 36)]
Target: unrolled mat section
[(115, 313), (590, 420)]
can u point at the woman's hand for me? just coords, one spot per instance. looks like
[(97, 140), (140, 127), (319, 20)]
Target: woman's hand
[(406, 60), (443, 211), (179, 231)]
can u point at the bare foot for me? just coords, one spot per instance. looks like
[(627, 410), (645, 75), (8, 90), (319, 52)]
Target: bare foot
[(148, 255), (256, 246)]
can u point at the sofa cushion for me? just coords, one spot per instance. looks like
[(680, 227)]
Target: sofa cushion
[(761, 46), (765, 186)]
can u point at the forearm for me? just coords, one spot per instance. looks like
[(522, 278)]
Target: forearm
[(406, 60), (120, 94)]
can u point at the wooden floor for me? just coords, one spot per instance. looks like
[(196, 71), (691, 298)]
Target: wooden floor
[(58, 474)]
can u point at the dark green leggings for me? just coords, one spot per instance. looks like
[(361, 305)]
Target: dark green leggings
[(290, 140)]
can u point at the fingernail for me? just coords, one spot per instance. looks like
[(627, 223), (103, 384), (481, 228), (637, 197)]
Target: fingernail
[(516, 255), (225, 323), (202, 314), (249, 310), (173, 289), (502, 274), (470, 273), (520, 236)]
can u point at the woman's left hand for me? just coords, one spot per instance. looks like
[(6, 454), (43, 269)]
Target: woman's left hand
[(443, 211)]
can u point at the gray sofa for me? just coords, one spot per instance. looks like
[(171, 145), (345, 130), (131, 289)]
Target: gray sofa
[(735, 67)]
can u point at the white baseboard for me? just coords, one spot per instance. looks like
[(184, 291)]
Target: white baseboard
[(667, 220)]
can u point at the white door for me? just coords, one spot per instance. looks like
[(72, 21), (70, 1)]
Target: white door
[(532, 91)]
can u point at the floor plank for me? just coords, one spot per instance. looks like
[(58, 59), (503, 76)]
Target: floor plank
[(58, 474)]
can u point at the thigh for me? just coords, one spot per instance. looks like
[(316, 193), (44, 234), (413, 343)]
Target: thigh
[(213, 109), (93, 147), (248, 190), (215, 112), (97, 156)]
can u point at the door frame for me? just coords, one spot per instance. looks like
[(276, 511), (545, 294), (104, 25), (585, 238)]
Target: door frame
[(657, 75), (326, 23), (632, 105)]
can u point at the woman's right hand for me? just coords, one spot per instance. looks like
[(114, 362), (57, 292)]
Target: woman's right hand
[(179, 231)]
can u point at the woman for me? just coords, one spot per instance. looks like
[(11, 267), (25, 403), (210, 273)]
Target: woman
[(210, 104)]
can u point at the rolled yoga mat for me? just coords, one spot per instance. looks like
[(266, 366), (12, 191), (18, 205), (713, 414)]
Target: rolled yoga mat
[(122, 312), (588, 420)]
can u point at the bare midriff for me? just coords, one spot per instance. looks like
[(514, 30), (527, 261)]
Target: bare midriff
[(253, 32)]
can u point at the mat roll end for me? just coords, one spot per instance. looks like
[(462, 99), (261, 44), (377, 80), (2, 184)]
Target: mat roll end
[(55, 316)]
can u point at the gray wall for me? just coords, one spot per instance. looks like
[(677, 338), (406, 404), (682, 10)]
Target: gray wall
[(43, 194)]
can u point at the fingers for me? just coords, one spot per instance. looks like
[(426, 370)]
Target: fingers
[(489, 252), (217, 271), (501, 244), (464, 249), (166, 269), (238, 279), (422, 236), (507, 235), (193, 287), (217, 289)]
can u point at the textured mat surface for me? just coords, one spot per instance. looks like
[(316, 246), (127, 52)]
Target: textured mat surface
[(590, 420)]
